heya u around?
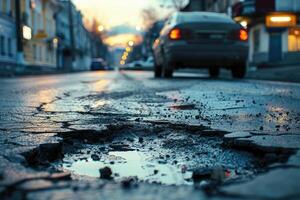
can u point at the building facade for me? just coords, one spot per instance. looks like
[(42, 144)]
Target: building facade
[(74, 41), (64, 57), (45, 35), (40, 44), (82, 40), (7, 34), (274, 30)]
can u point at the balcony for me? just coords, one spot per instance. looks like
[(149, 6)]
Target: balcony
[(259, 7), (243, 8), (253, 7)]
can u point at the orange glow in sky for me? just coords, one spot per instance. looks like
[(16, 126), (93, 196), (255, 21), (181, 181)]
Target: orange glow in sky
[(113, 12), (116, 12), (122, 39)]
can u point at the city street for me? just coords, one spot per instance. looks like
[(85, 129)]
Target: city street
[(125, 135)]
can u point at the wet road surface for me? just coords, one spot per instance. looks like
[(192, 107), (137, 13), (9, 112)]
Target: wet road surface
[(206, 136)]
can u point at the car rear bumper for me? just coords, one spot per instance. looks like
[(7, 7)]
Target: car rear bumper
[(206, 55)]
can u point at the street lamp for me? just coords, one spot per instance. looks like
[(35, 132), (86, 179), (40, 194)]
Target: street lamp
[(100, 28), (128, 49), (138, 28), (244, 23), (124, 58), (27, 33), (131, 43), (55, 42)]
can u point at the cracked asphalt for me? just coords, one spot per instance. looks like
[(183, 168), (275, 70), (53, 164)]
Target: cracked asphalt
[(190, 137)]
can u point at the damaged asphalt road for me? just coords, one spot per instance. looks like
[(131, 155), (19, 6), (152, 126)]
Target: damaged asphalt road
[(125, 135)]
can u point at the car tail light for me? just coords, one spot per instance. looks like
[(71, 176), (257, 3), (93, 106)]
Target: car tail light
[(239, 35), (243, 35), (175, 34)]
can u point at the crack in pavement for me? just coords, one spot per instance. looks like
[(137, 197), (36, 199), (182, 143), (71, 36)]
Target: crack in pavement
[(140, 108)]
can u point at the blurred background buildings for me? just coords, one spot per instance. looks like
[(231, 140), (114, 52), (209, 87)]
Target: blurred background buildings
[(51, 35), (8, 51), (45, 35)]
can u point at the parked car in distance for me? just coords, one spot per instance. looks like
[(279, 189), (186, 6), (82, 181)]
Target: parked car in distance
[(149, 62), (201, 40), (134, 64), (98, 64), (141, 64)]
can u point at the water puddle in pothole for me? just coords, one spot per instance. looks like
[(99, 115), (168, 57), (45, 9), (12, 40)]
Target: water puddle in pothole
[(132, 164)]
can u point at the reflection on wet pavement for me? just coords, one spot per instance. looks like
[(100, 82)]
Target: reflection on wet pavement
[(130, 164), (173, 128)]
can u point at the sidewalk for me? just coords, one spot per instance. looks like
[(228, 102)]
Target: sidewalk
[(12, 70), (282, 73), (288, 73)]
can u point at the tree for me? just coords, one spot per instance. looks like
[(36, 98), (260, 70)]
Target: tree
[(149, 16), (178, 4)]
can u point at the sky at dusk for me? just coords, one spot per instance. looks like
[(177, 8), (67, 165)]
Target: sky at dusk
[(120, 13), (116, 12)]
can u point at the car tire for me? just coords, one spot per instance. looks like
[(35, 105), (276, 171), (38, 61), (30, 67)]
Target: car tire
[(167, 70), (157, 71), (214, 72), (239, 71)]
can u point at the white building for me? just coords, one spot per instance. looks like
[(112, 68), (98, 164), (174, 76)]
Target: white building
[(64, 58), (40, 48), (81, 47), (7, 34), (82, 44)]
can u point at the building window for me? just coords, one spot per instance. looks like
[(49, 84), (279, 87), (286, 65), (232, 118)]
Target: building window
[(6, 7), (2, 45), (50, 56), (256, 40), (40, 53), (40, 22), (9, 47), (34, 52), (3, 6), (38, 18), (33, 21), (294, 39), (43, 54), (47, 55)]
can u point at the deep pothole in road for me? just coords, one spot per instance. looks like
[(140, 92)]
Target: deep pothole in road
[(159, 154)]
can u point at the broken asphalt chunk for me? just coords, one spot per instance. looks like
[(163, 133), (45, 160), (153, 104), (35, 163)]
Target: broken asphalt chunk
[(105, 173)]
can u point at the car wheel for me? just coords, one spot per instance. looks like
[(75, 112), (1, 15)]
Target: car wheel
[(239, 71), (157, 71), (167, 70), (214, 72)]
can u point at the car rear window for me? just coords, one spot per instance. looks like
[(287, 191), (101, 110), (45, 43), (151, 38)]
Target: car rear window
[(204, 17)]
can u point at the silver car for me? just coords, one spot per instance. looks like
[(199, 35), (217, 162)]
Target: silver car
[(201, 40)]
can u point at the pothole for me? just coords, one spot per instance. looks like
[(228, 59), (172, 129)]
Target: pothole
[(161, 155)]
